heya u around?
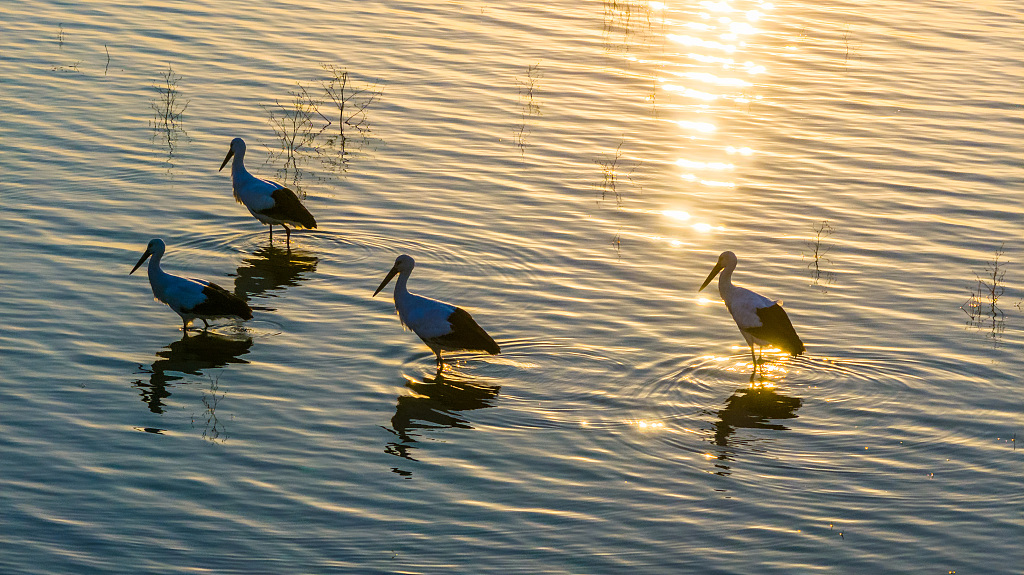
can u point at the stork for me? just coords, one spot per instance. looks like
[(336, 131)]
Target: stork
[(442, 326), (189, 298), (761, 320), (269, 202)]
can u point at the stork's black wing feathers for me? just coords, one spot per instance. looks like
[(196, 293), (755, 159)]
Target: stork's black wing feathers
[(466, 334), (288, 208), (777, 329), (221, 303)]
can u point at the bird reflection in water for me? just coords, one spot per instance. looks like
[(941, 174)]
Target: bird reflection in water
[(190, 355), (436, 403), (272, 268), (758, 406)]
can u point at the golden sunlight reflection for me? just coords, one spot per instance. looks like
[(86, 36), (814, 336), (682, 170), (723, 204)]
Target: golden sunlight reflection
[(694, 41), (709, 78), (717, 184), (690, 92), (742, 151), (684, 163), (716, 6), (697, 126), (717, 79), (676, 214), (644, 425), (711, 59)]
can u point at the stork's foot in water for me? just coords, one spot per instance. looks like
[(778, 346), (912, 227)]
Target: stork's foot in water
[(755, 359)]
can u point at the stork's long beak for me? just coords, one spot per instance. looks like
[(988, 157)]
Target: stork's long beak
[(391, 274), (231, 152), (714, 272), (144, 257)]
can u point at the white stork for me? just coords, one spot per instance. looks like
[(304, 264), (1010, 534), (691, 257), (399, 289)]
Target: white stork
[(442, 326), (761, 320), (189, 298), (269, 202)]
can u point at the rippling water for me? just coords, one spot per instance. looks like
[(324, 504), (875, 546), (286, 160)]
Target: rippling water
[(568, 172)]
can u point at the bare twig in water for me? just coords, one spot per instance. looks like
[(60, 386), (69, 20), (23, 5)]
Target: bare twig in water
[(982, 307), (307, 127), (619, 15), (168, 110), (609, 170), (610, 175), (350, 101), (850, 51), (73, 67), (60, 36), (529, 108), (818, 254), (213, 429), (107, 50), (295, 130)]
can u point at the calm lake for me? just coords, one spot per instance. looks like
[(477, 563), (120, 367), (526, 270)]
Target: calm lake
[(568, 172)]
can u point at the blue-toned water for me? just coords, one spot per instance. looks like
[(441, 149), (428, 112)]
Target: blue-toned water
[(568, 172)]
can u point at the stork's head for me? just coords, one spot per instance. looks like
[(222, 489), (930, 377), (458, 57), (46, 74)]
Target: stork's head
[(155, 247), (727, 260), (237, 147), (403, 265)]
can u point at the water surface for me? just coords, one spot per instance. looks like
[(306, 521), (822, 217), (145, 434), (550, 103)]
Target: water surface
[(567, 172)]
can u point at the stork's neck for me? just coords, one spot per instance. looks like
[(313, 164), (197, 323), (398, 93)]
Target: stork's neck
[(156, 274), (401, 286), (238, 172), (725, 286)]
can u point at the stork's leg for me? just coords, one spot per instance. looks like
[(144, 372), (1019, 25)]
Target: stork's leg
[(206, 324), (753, 358), (288, 236), (271, 226), (440, 362), (184, 325)]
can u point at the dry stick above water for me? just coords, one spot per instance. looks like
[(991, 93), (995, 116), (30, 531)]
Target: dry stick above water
[(609, 169), (304, 129), (528, 107), (610, 173), (168, 110), (819, 251), (294, 128), (985, 296), (982, 308), (351, 102)]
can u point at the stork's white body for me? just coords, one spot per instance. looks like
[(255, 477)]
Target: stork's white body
[(442, 326), (743, 305), (252, 192), (268, 201), (761, 321), (426, 317), (190, 298)]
